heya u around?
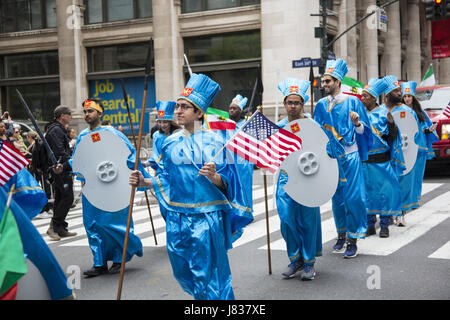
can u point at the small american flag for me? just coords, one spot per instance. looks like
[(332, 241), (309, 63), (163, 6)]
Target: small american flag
[(446, 111), (263, 143), (11, 161)]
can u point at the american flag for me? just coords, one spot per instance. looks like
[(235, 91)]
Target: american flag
[(263, 143), (446, 111), (11, 161)]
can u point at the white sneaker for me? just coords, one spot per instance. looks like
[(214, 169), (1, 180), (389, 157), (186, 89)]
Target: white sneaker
[(44, 215)]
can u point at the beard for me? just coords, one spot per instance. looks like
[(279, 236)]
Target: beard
[(394, 99)]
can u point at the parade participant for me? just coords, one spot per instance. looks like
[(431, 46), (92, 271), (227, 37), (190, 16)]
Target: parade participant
[(427, 134), (300, 225), (344, 120), (106, 230), (202, 198), (58, 140), (383, 195), (166, 126), (393, 102), (236, 108)]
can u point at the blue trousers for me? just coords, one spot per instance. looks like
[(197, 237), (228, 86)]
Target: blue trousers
[(348, 203)]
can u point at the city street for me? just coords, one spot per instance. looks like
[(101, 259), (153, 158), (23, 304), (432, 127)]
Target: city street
[(413, 263)]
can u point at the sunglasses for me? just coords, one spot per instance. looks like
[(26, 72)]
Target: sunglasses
[(293, 103), (327, 81)]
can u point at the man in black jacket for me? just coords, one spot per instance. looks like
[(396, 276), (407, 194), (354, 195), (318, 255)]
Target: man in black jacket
[(58, 139)]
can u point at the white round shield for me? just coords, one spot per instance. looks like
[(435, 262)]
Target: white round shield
[(313, 175), (101, 158), (408, 128)]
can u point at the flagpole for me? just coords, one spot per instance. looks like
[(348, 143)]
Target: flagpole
[(8, 202), (269, 259)]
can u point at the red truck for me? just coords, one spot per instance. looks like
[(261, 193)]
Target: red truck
[(434, 100)]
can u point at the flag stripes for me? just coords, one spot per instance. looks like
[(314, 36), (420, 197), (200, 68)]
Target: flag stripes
[(263, 143), (11, 161)]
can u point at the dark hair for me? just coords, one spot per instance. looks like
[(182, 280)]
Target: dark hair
[(417, 109), (173, 127), (97, 100)]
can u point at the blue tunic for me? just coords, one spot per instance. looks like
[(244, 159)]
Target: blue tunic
[(382, 186), (300, 225), (349, 208), (425, 142), (106, 230), (201, 218), (154, 160)]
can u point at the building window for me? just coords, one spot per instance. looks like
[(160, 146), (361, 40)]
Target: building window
[(118, 57), (223, 47), (231, 60), (98, 11), (22, 15), (24, 65), (204, 5), (42, 99)]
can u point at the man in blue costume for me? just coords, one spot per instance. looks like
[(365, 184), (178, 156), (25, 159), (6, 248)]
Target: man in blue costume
[(300, 225), (106, 230), (393, 102), (204, 200), (427, 135), (382, 186), (344, 120), (236, 108)]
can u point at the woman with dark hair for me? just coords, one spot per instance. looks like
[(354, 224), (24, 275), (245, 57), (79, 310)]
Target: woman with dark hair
[(425, 139)]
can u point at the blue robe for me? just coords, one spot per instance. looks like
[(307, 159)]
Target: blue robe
[(349, 208), (36, 250), (154, 160), (408, 184), (300, 225), (106, 230), (425, 142), (383, 189), (201, 218)]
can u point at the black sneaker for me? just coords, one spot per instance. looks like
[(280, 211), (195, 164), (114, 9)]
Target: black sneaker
[(115, 268), (96, 271), (339, 246), (370, 231), (352, 250), (384, 232)]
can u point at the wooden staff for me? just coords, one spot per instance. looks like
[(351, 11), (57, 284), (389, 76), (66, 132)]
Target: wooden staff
[(135, 145), (148, 68)]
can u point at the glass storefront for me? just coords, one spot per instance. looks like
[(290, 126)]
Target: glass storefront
[(36, 75), (231, 60)]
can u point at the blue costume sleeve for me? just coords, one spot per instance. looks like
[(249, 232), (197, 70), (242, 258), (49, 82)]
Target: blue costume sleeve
[(37, 251), (27, 193), (364, 140)]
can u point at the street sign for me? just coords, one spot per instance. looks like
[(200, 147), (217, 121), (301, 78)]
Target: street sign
[(382, 20), (305, 63)]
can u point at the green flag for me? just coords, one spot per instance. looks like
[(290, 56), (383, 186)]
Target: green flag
[(218, 112), (428, 79), (12, 261)]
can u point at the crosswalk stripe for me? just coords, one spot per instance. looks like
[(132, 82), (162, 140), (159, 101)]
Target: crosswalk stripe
[(442, 253), (257, 229)]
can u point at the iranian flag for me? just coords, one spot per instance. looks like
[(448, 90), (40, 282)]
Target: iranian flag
[(428, 80), (12, 261), (352, 87), (219, 120)]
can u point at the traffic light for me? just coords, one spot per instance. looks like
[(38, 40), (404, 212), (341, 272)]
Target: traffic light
[(437, 9), (317, 89)]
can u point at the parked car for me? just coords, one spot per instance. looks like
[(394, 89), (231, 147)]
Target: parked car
[(434, 100)]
